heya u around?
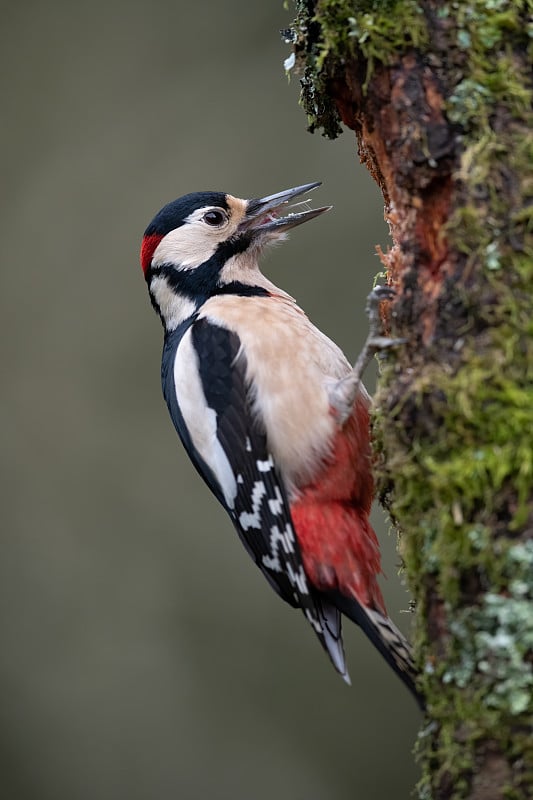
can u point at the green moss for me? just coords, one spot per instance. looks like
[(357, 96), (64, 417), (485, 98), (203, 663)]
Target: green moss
[(380, 35), (468, 476), (462, 491), (482, 27), (378, 30)]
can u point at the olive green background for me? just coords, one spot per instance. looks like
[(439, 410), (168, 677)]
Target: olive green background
[(142, 655)]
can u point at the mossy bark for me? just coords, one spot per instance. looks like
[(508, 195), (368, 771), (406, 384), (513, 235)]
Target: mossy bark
[(439, 96)]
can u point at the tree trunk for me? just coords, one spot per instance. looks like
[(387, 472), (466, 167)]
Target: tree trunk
[(439, 96)]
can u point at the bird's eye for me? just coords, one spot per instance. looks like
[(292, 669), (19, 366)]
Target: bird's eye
[(214, 218)]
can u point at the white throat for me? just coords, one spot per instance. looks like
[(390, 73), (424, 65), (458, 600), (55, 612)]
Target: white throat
[(174, 308)]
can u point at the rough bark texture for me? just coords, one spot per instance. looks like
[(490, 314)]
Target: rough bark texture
[(439, 96)]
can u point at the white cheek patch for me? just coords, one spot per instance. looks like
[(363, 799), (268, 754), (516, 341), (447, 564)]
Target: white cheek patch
[(201, 421), (186, 247), (193, 243)]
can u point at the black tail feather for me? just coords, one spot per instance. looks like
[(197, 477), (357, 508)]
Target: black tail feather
[(385, 637), (329, 632)]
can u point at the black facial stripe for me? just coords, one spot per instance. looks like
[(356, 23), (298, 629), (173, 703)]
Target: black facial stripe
[(232, 247), (200, 283), (195, 284), (242, 289)]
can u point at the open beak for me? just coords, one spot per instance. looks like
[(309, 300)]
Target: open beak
[(263, 214)]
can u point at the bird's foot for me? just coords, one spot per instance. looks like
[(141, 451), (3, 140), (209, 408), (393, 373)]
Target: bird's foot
[(376, 340), (345, 391)]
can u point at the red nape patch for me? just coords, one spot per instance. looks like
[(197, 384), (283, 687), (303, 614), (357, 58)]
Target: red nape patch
[(148, 246)]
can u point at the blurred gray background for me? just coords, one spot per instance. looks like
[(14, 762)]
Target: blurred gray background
[(142, 655)]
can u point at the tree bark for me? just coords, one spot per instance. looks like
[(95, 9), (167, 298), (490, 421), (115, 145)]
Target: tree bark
[(439, 97)]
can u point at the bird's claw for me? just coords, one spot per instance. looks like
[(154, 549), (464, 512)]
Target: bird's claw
[(373, 303), (380, 292), (383, 342), (345, 391), (376, 340)]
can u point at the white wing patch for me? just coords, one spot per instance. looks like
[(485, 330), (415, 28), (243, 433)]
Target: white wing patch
[(201, 421)]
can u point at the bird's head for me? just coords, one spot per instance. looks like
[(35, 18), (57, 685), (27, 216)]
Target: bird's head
[(207, 243)]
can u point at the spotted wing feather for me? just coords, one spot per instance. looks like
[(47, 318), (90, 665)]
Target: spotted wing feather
[(260, 511)]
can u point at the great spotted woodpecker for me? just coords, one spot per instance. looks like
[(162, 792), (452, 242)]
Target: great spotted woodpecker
[(270, 412)]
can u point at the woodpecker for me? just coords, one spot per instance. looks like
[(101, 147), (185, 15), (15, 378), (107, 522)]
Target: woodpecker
[(271, 413)]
